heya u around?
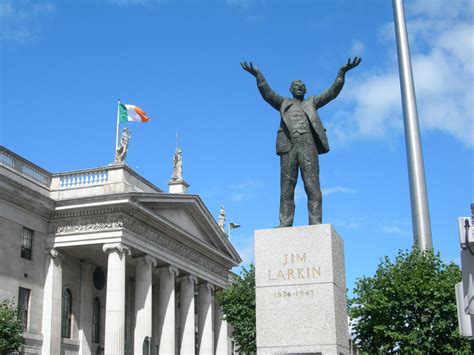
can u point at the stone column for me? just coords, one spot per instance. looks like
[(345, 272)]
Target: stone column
[(205, 319), (85, 328), (166, 310), (115, 299), (52, 303), (143, 302), (155, 307), (186, 313), (221, 332)]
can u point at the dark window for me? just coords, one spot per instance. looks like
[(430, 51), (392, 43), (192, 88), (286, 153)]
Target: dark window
[(99, 278), (96, 321), (66, 314), (23, 301), (26, 243)]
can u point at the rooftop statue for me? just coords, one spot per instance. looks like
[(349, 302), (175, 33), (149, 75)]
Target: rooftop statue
[(177, 165), (221, 222), (301, 137), (121, 151)]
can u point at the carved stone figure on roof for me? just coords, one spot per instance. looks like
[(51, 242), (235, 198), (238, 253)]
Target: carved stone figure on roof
[(121, 151)]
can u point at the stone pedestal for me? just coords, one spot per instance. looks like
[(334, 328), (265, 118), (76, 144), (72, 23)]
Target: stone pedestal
[(178, 187), (300, 291)]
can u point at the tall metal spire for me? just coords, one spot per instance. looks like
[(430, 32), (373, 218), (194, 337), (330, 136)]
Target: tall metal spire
[(416, 171)]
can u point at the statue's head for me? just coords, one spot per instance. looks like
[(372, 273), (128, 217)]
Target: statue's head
[(298, 89)]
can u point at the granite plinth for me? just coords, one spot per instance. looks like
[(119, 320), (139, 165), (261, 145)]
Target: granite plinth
[(300, 291)]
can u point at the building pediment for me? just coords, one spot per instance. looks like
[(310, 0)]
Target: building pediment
[(188, 214)]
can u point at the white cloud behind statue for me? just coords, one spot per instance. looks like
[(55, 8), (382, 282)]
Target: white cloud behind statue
[(442, 49)]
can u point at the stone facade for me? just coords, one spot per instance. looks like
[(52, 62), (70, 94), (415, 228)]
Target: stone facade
[(107, 260)]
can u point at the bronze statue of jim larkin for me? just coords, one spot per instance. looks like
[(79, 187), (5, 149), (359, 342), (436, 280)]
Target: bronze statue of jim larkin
[(300, 139)]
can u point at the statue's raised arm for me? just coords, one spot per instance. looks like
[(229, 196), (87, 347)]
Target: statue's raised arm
[(351, 65), (266, 91), (331, 93)]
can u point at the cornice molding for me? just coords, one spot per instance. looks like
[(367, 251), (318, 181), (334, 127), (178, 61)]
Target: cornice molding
[(25, 204), (88, 212), (120, 221)]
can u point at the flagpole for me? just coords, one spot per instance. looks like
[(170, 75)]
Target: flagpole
[(117, 130)]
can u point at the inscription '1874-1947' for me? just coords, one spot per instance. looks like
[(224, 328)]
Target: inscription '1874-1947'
[(294, 272)]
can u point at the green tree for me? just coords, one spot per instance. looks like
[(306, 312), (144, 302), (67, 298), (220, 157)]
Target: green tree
[(11, 328), (238, 305), (408, 307)]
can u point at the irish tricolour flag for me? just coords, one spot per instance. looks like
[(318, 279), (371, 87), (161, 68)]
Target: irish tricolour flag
[(132, 113)]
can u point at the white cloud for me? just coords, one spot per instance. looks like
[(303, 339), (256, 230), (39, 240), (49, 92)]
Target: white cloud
[(22, 20), (391, 229), (243, 190), (401, 228), (300, 193), (440, 8), (336, 189), (442, 50)]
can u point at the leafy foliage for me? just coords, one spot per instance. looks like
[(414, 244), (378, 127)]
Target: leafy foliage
[(408, 307), (238, 305), (11, 328)]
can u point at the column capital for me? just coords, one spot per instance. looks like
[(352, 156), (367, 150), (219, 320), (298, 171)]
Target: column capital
[(119, 247), (207, 285), (170, 269), (55, 254), (147, 259), (191, 278)]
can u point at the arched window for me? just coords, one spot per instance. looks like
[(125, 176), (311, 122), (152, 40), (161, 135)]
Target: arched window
[(96, 321), (66, 314)]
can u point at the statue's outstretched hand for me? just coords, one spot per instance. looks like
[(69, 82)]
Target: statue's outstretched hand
[(250, 68), (351, 65)]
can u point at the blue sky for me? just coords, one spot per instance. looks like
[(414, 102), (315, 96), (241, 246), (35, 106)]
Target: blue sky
[(65, 63)]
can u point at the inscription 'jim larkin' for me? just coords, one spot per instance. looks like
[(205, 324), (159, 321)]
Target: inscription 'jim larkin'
[(292, 271)]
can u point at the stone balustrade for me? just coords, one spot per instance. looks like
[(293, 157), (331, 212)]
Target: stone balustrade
[(83, 178), (24, 167), (90, 182)]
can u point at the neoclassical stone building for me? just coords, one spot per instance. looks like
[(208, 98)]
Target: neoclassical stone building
[(101, 261)]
